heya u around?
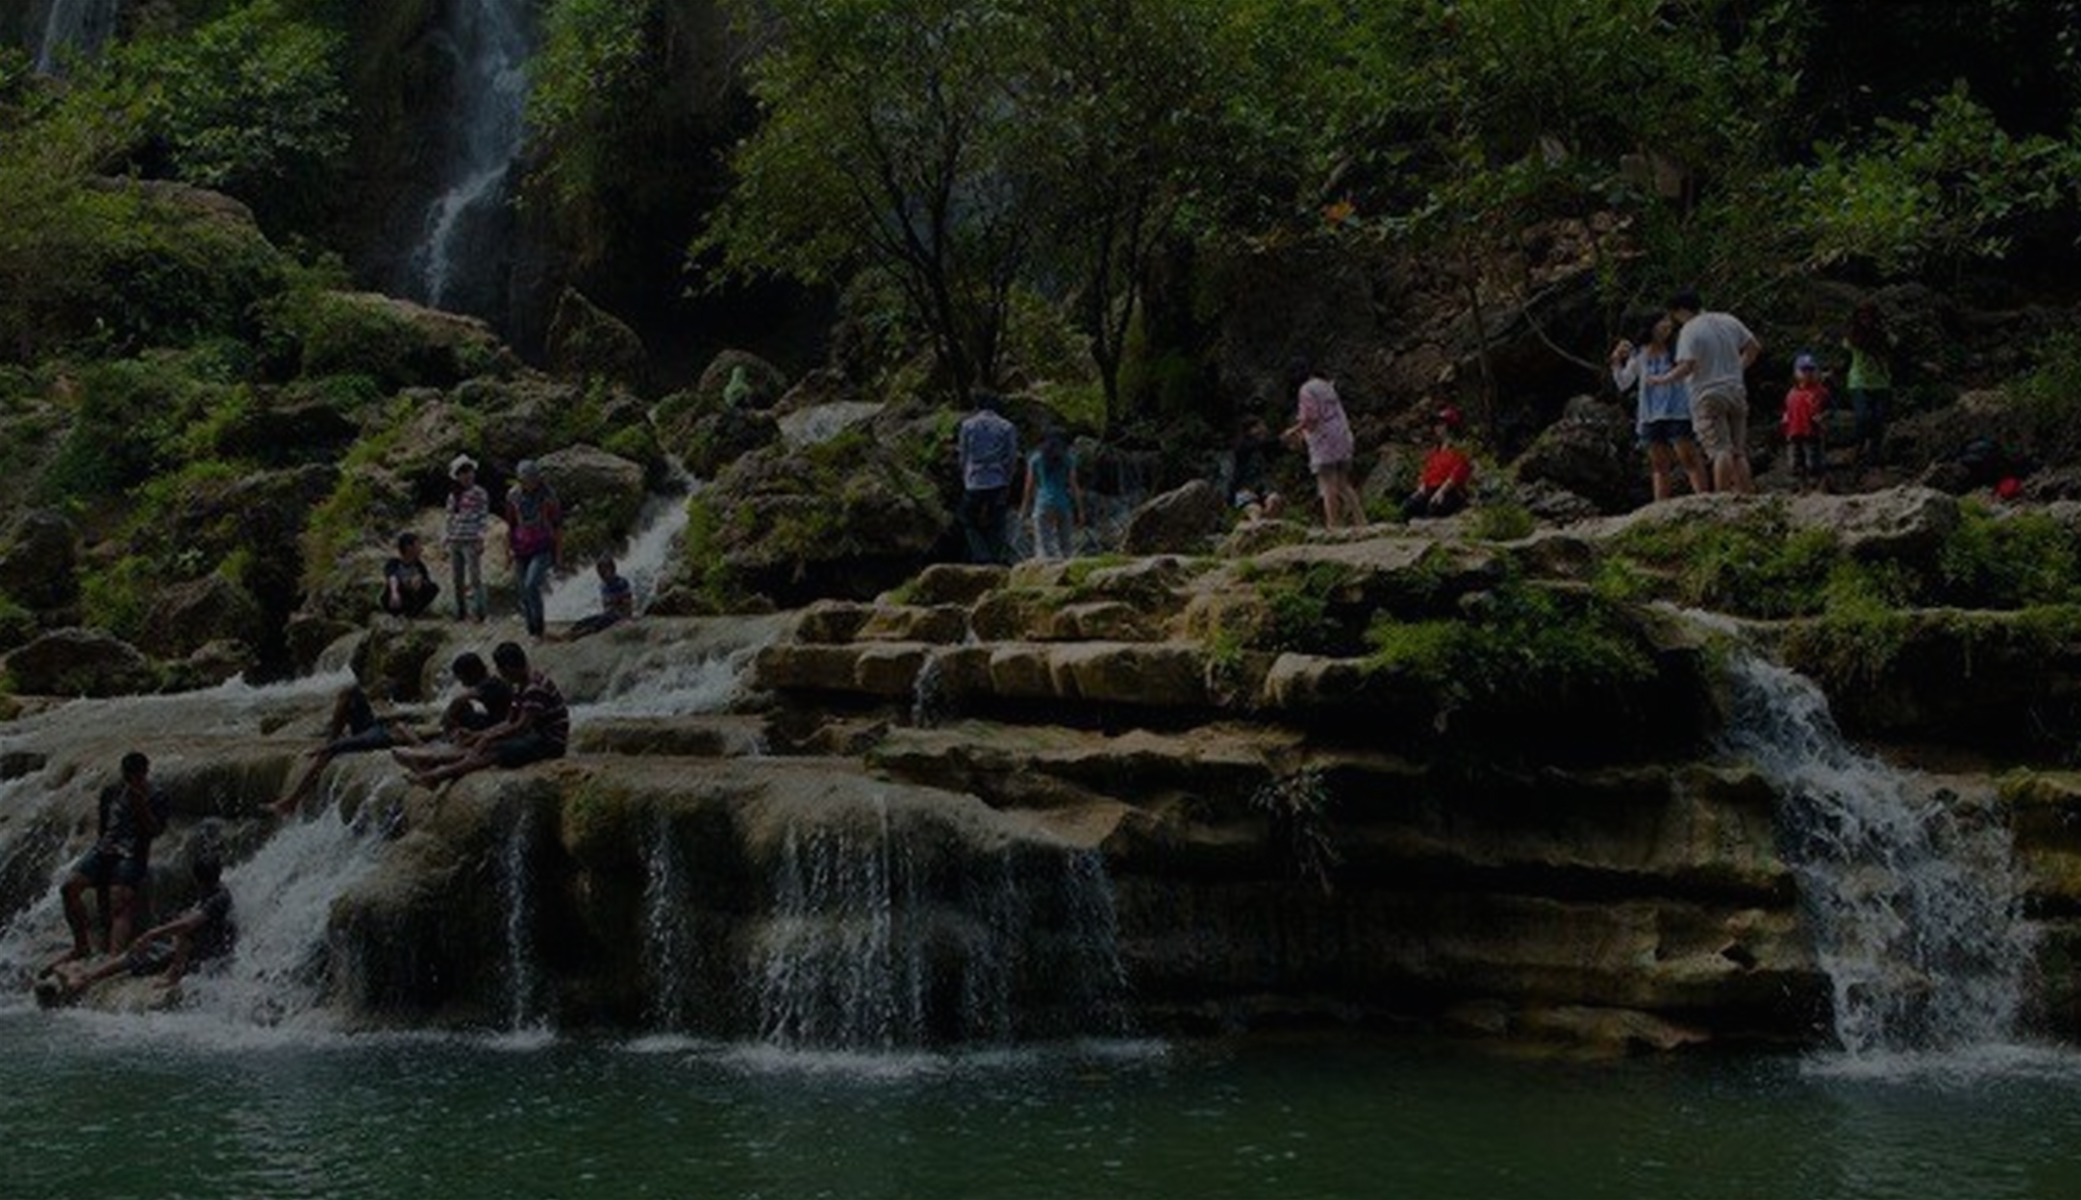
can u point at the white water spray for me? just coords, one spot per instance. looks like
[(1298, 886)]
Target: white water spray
[(484, 139), (74, 26), (517, 879), (1913, 896)]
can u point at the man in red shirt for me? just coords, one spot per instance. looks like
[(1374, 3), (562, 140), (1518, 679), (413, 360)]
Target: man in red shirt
[(1441, 486)]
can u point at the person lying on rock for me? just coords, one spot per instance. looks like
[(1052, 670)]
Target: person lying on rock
[(132, 812), (353, 729), (538, 728), (617, 603), (202, 933)]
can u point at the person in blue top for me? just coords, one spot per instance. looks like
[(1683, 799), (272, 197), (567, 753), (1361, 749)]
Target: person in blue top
[(1662, 414), (132, 813), (617, 602), (1054, 501)]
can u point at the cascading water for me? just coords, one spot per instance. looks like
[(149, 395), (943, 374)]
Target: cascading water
[(73, 26), (517, 883), (1913, 897), (673, 952), (874, 945), (465, 248), (644, 562)]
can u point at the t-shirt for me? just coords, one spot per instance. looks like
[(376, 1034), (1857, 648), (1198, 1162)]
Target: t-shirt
[(1870, 370), (543, 705), (469, 510), (218, 932), (1253, 463), (120, 832), (496, 697), (618, 596), (1051, 483), (411, 575), (1803, 409), (989, 451), (1446, 464), (534, 517), (1328, 433), (1714, 341)]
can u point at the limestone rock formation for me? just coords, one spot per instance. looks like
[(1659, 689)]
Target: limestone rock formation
[(1178, 522), (80, 662)]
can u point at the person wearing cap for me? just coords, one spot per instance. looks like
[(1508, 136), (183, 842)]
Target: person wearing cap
[(469, 511), (1713, 351), (408, 587), (1805, 406), (1319, 421), (535, 532), (1661, 414), (1447, 472)]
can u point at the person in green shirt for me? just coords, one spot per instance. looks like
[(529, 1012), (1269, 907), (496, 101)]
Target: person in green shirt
[(1871, 348)]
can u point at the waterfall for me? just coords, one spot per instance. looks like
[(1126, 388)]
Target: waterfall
[(928, 698), (517, 879), (876, 944), (466, 230), (644, 562), (1913, 897), (672, 952), (82, 26)]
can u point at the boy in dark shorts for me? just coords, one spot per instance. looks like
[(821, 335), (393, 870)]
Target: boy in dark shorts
[(204, 931), (353, 729), (617, 602), (539, 728), (132, 813)]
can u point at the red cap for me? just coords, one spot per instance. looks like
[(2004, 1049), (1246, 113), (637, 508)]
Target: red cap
[(2009, 488), (1449, 417)]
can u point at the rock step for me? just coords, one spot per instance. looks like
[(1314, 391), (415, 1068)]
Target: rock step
[(670, 737)]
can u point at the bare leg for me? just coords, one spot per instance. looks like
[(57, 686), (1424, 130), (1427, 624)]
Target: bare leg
[(426, 757), (476, 760), (1658, 456), (73, 893), (123, 903), (1694, 466)]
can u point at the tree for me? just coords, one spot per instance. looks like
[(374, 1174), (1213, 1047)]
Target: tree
[(887, 141)]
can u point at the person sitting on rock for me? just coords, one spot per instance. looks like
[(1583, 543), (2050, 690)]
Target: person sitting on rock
[(617, 602), (1250, 487), (486, 700), (538, 728), (202, 933), (132, 812), (408, 587), (353, 729), (1447, 473)]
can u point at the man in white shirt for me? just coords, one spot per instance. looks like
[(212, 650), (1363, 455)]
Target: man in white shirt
[(1713, 349)]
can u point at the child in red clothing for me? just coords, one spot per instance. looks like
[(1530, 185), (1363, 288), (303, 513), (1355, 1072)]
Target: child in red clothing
[(1441, 485), (1805, 405)]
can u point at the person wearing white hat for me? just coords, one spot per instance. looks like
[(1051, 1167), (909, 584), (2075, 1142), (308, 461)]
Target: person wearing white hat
[(534, 527), (469, 510)]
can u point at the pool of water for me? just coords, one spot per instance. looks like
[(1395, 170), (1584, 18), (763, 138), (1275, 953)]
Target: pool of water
[(171, 1106)]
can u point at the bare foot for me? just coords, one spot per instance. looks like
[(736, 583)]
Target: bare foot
[(72, 955), (283, 808)]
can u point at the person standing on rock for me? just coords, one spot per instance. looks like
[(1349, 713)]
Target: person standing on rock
[(535, 532), (203, 932), (469, 511), (1871, 348), (1661, 415), (1713, 351), (989, 447), (1053, 502), (1319, 421), (132, 813), (538, 728)]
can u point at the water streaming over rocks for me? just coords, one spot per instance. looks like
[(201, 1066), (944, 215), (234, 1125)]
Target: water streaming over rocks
[(466, 247), (1911, 892), (72, 26)]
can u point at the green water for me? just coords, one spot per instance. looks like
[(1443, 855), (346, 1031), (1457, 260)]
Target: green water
[(100, 1108)]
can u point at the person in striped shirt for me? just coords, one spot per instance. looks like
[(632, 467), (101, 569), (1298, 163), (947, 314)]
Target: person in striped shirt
[(469, 510)]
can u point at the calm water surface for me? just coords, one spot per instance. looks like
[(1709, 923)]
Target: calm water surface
[(100, 1107)]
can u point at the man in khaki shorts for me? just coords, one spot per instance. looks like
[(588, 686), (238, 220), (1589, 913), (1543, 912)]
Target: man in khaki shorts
[(1713, 349)]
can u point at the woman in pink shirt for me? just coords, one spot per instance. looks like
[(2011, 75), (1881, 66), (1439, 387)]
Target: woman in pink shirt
[(1320, 422)]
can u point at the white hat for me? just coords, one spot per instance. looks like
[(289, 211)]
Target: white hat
[(462, 462)]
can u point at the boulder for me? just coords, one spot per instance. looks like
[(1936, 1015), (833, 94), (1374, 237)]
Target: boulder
[(601, 493), (38, 562), (715, 441), (1178, 522), (588, 342), (184, 617), (80, 662), (217, 662), (1902, 524), (1588, 452), (399, 343)]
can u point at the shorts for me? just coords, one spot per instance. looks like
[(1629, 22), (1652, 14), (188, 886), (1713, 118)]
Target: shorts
[(1666, 432), (103, 868), (1340, 467), (1721, 421), (524, 748)]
